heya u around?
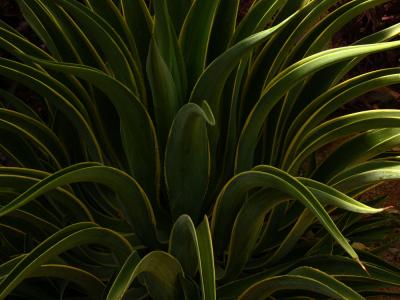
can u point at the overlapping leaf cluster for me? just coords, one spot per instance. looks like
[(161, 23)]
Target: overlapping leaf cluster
[(178, 157)]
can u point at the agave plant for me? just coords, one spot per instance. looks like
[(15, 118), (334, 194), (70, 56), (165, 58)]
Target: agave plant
[(177, 159)]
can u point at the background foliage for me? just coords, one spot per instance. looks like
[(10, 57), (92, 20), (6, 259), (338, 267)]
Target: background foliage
[(175, 153)]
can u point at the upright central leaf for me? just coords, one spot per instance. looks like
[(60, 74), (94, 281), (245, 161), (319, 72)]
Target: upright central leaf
[(187, 161), (195, 36), (167, 41)]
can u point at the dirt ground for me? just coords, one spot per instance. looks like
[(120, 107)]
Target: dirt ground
[(392, 191)]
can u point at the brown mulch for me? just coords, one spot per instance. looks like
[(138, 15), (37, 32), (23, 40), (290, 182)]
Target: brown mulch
[(390, 189)]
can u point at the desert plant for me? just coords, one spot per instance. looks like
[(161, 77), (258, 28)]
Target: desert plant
[(177, 159)]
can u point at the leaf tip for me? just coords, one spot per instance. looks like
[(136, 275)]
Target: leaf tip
[(362, 266), (391, 209)]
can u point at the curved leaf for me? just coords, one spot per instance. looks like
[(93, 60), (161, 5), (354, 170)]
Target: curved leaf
[(358, 149), (136, 124), (161, 270), (212, 80), (90, 283), (135, 204), (38, 132), (140, 23), (228, 204), (267, 287), (166, 37), (284, 81), (257, 17), (119, 57), (67, 238), (195, 36), (61, 98), (188, 244), (343, 126), (166, 101), (330, 196), (187, 161)]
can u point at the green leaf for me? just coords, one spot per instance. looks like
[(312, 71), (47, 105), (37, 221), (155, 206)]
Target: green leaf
[(290, 8), (134, 202), (319, 43), (23, 179), (124, 278), (109, 11), (335, 73), (162, 276), (341, 268), (341, 127), (67, 238), (257, 78), (166, 38), (258, 16), (61, 97), (123, 65), (358, 149), (178, 10), (140, 23), (206, 260), (37, 132), (373, 165), (212, 80), (267, 287), (228, 205), (311, 14), (287, 79), (345, 269), (195, 36), (338, 23), (18, 151), (183, 244), (84, 50), (19, 105), (187, 161), (223, 28), (92, 285), (330, 196), (383, 35), (328, 102), (166, 101), (344, 291), (11, 39), (188, 244), (247, 228), (41, 24), (136, 125), (365, 179)]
